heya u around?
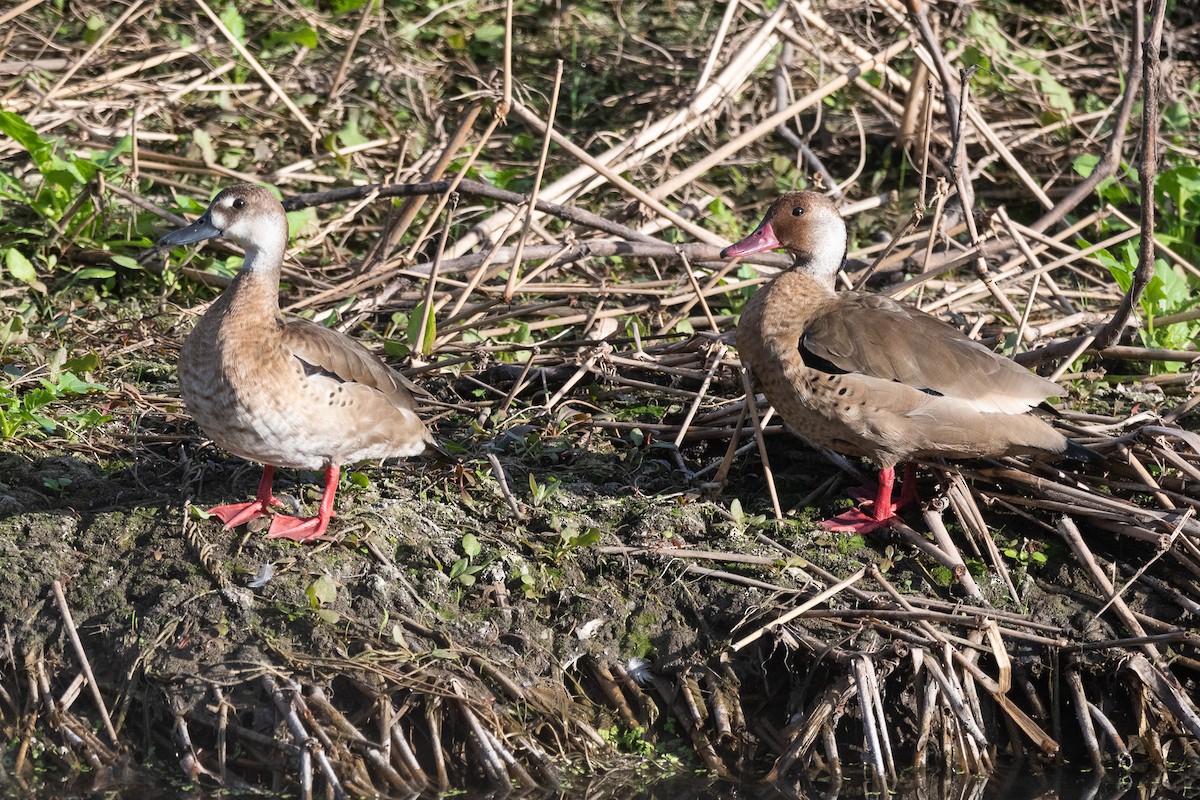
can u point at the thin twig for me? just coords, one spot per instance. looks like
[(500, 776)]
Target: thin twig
[(73, 633)]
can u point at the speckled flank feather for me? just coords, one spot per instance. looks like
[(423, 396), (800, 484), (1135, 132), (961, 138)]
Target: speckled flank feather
[(865, 375), (284, 393)]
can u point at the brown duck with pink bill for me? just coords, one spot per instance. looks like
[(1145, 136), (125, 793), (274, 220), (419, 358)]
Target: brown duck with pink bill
[(285, 393), (867, 376)]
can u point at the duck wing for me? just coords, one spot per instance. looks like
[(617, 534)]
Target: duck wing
[(324, 350), (881, 338)]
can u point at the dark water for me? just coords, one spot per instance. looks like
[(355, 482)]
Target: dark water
[(1016, 784), (1012, 784)]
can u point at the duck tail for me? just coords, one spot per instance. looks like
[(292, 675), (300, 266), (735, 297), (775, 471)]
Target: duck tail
[(1077, 452)]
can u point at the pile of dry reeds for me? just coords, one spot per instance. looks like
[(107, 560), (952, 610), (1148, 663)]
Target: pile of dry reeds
[(827, 659)]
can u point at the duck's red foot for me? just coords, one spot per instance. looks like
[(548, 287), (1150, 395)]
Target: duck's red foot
[(855, 521), (241, 513), (282, 527), (878, 500), (305, 530), (297, 529)]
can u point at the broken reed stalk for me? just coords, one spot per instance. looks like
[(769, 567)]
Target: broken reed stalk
[(286, 705), (84, 662), (798, 610), (398, 223)]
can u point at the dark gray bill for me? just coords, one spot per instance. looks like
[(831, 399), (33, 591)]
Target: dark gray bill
[(198, 231)]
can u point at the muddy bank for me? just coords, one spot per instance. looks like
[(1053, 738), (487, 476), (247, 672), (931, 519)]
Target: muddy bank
[(594, 610)]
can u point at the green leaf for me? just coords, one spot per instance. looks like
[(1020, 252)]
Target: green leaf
[(489, 33), (126, 262), (41, 150), (95, 272), (75, 172), (39, 397), (205, 143), (1084, 165), (85, 363), (983, 28), (10, 331), (302, 223), (321, 592), (1181, 186), (1057, 95), (329, 615), (359, 479), (233, 20), (109, 157), (305, 37), (20, 267), (1176, 115), (90, 418), (974, 57), (587, 538), (350, 135), (69, 382), (1121, 271), (94, 26), (1167, 291), (418, 343), (470, 545)]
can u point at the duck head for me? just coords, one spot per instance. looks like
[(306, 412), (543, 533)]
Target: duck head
[(247, 215), (808, 226)]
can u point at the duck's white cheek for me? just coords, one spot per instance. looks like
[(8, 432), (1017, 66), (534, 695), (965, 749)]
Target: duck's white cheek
[(242, 230)]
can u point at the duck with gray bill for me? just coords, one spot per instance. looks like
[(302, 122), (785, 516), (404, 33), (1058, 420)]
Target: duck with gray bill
[(283, 392)]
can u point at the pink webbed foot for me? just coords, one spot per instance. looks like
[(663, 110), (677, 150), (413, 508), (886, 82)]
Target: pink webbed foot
[(237, 514), (856, 521), (241, 513), (306, 529), (297, 529), (882, 509)]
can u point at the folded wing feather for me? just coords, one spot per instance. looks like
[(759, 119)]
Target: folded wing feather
[(345, 359), (878, 337)]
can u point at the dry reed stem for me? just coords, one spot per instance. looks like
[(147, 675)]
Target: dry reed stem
[(650, 140), (237, 45), (812, 602), (73, 633), (1147, 171), (399, 222)]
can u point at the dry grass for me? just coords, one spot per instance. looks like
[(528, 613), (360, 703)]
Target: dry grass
[(602, 271)]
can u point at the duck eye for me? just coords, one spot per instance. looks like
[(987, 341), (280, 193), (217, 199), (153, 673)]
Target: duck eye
[(797, 211), (239, 202)]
